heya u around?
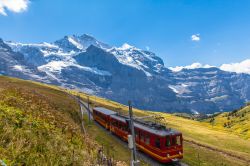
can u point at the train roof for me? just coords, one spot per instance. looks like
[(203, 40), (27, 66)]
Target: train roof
[(161, 132), (105, 111), (120, 118), (148, 128)]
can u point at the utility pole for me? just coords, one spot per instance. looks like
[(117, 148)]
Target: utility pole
[(132, 145), (81, 110), (88, 110)]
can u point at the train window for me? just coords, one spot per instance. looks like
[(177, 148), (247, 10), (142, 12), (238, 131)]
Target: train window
[(142, 136), (173, 140), (178, 140), (157, 142), (147, 139), (126, 128), (167, 141), (122, 127)]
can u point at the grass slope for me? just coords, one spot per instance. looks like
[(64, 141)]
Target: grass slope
[(39, 125), (237, 121)]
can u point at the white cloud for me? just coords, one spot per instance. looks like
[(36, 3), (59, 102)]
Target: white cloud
[(147, 48), (241, 67), (195, 37), (15, 6), (192, 66)]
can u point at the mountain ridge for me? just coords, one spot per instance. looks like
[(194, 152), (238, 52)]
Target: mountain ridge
[(126, 73)]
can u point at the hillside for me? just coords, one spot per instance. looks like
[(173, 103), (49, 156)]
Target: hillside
[(40, 125), (237, 121)]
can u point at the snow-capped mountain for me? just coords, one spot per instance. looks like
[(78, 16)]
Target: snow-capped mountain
[(77, 43), (209, 89), (125, 73)]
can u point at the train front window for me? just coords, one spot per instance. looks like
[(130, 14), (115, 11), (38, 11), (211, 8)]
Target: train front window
[(168, 141), (173, 140), (178, 140)]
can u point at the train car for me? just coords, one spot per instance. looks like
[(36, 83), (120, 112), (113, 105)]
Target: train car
[(102, 116), (161, 143), (119, 126)]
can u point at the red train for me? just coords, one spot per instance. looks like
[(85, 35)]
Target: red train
[(161, 143)]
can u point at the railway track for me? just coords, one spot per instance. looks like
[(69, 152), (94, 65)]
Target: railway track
[(142, 156)]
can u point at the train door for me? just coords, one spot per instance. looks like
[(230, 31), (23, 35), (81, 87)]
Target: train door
[(157, 142)]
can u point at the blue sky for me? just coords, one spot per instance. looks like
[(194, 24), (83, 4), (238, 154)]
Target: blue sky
[(164, 26)]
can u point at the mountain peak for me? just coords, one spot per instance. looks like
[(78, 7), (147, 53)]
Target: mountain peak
[(87, 36), (3, 45), (82, 42), (126, 46)]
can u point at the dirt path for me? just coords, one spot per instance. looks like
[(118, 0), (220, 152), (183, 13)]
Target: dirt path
[(218, 151)]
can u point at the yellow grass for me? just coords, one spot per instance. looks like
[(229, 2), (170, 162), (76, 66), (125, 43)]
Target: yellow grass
[(40, 125), (237, 122)]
